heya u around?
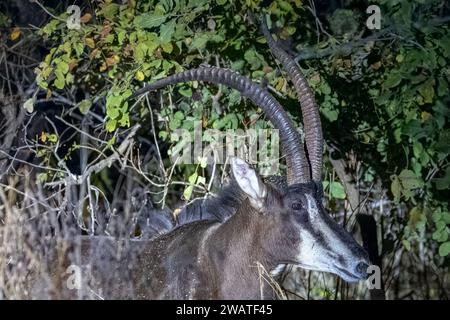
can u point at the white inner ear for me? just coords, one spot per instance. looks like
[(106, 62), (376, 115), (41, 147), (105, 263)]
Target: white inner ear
[(249, 181)]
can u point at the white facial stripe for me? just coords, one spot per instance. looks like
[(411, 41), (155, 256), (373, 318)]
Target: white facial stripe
[(319, 224), (338, 245), (312, 254), (307, 250)]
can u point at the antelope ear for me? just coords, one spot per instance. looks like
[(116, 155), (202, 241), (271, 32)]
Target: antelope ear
[(249, 181)]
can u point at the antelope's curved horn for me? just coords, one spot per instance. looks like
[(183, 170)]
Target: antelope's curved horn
[(305, 96), (297, 166)]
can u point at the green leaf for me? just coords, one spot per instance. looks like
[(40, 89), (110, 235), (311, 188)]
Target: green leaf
[(84, 106), (426, 90), (167, 65), (140, 52), (442, 87), (440, 225), (79, 47), (440, 236), (325, 88), (113, 100), (237, 65), (185, 91), (393, 80), (111, 125), (200, 42), (416, 166), (52, 138), (417, 149), (50, 27), (121, 35), (69, 78), (252, 57), (163, 135), (337, 190), (409, 180), (193, 178), (125, 120), (407, 245), (110, 10), (396, 188), (167, 47), (446, 217), (179, 115), (149, 20), (437, 215), (42, 177), (113, 113), (285, 5), (414, 129), (59, 83), (331, 115), (167, 31), (188, 192), (174, 124), (444, 249)]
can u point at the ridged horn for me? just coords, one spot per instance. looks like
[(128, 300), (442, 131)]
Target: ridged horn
[(305, 96), (297, 166)]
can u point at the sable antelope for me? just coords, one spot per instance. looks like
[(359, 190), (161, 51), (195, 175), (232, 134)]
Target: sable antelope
[(270, 222)]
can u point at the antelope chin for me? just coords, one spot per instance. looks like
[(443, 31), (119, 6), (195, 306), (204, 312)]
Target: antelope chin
[(344, 274), (349, 276)]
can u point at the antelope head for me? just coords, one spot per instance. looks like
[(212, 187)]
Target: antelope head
[(297, 228), (321, 243)]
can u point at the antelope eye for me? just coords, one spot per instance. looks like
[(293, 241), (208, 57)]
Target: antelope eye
[(297, 206)]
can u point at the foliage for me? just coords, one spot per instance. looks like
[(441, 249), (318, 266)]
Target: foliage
[(392, 99), (408, 86)]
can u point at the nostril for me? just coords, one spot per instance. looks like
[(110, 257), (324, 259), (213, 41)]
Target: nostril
[(361, 268)]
